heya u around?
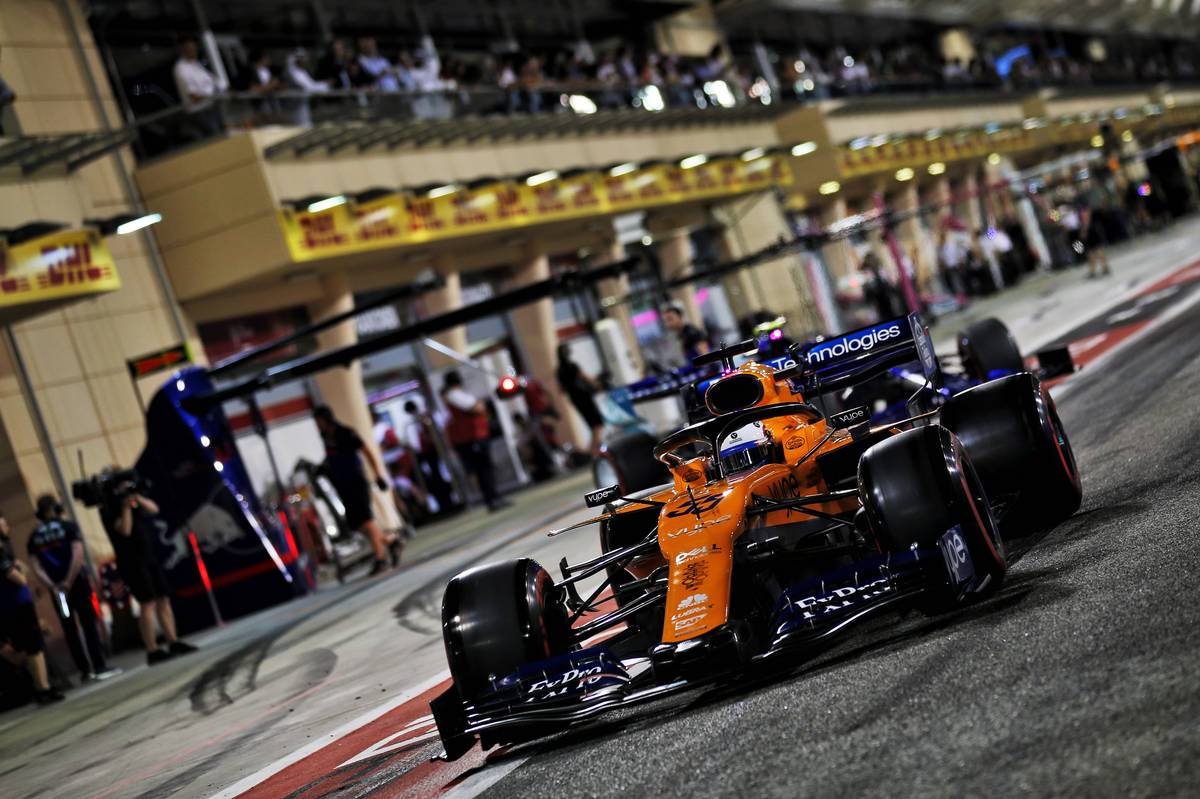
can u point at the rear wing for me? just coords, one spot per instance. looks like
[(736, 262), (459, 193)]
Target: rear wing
[(855, 357)]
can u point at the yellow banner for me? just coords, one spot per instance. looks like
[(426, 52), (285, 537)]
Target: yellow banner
[(854, 162), (71, 263), (401, 220)]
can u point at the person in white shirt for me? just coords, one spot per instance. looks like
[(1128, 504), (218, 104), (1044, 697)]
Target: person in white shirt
[(197, 87), (425, 75), (953, 253), (298, 78), (995, 245)]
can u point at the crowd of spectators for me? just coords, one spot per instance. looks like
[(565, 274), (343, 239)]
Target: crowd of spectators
[(1080, 215), (294, 87), (1001, 62), (428, 85)]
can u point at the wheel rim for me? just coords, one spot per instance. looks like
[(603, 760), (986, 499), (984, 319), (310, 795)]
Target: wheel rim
[(979, 506)]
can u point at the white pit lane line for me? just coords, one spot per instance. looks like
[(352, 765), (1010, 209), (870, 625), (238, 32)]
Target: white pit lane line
[(246, 783)]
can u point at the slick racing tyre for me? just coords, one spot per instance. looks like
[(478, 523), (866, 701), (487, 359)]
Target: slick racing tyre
[(919, 487), (628, 461), (1011, 430), (986, 347), (498, 617)]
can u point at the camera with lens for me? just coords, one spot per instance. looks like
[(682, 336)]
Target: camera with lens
[(108, 487)]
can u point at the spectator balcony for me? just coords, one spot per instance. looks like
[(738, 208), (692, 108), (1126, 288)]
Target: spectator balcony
[(234, 206)]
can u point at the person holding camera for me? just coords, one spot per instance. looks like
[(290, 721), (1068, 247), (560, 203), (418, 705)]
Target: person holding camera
[(20, 631), (344, 454), (127, 517), (56, 548)]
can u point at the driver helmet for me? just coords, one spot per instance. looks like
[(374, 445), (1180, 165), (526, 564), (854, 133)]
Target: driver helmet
[(744, 448)]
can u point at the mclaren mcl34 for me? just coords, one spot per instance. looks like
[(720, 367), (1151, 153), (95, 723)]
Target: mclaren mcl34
[(782, 525)]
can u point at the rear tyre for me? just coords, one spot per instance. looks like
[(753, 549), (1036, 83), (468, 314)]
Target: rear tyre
[(1010, 428), (919, 488), (498, 617), (987, 347), (628, 461)]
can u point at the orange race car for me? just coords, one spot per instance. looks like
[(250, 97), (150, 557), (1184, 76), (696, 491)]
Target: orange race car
[(782, 525)]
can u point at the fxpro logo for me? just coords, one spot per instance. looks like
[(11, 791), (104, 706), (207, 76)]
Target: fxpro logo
[(860, 343)]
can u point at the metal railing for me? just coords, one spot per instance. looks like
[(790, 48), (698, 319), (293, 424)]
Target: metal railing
[(412, 114)]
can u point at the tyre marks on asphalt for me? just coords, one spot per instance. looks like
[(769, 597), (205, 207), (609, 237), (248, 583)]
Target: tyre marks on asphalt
[(390, 755)]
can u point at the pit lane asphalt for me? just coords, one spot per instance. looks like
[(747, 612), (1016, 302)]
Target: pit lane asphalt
[(1079, 679)]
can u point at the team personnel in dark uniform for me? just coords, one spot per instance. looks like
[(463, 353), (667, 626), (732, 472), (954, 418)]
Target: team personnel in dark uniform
[(57, 551), (693, 342), (344, 453), (580, 389), (20, 632), (128, 521)]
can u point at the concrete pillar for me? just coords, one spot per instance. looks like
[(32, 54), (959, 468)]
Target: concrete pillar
[(879, 248), (938, 195), (966, 202), (447, 298), (837, 254), (741, 287), (342, 388), (915, 239), (998, 200), (780, 285), (537, 337), (618, 289), (674, 251)]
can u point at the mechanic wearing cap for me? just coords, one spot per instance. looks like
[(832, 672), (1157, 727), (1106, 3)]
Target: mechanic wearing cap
[(20, 631), (57, 551)]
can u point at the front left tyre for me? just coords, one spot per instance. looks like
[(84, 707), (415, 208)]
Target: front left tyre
[(499, 617), (919, 489)]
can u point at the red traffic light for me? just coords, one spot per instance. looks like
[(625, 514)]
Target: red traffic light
[(509, 387)]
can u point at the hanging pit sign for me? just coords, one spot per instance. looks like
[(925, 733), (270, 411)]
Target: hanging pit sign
[(50, 270), (169, 359)]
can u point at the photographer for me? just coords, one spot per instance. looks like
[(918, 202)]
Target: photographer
[(127, 520), (20, 631), (57, 551)]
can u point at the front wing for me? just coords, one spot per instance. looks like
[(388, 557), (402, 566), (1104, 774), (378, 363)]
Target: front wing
[(547, 695)]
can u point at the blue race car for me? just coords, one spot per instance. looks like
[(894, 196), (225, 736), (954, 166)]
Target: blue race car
[(986, 350)]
